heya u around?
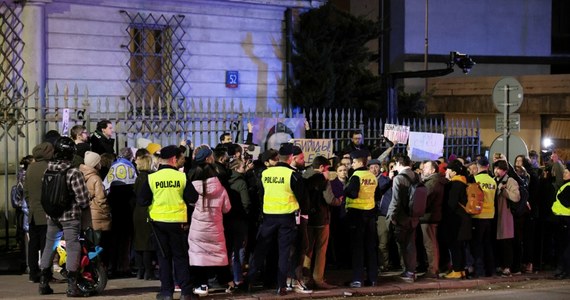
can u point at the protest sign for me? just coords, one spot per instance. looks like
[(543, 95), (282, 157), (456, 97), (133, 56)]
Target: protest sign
[(398, 134), (314, 147), (425, 146)]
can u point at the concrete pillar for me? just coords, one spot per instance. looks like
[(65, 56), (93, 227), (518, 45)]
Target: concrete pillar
[(34, 56)]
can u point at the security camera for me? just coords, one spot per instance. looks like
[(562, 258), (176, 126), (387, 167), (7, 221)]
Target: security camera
[(462, 60)]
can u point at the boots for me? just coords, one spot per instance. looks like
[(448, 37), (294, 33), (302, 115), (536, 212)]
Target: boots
[(45, 278), (72, 288)]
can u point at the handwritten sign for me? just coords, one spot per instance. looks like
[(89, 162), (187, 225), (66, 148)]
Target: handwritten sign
[(314, 147), (397, 133), (270, 133), (425, 146)]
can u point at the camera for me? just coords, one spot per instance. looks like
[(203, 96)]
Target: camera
[(462, 60)]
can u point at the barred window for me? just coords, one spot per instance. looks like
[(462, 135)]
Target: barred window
[(155, 63)]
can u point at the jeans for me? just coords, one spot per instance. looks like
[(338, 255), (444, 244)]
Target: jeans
[(406, 239), (383, 238), (71, 230)]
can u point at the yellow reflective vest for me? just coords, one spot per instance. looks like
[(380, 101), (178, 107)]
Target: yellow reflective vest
[(167, 186), (368, 184), (489, 187), (278, 197), (557, 207)]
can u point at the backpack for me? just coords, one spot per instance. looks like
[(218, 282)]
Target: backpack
[(56, 196), (418, 197), (522, 207), (475, 199)]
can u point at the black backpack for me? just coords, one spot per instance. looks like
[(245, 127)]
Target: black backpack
[(521, 207), (56, 195)]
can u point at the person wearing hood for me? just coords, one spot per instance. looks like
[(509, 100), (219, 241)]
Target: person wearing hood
[(456, 222), (322, 198), (42, 153), (435, 184), (207, 243), (236, 221)]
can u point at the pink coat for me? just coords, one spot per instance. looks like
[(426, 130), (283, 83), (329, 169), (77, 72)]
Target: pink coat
[(207, 244)]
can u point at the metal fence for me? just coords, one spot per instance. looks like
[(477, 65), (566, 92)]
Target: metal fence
[(203, 120)]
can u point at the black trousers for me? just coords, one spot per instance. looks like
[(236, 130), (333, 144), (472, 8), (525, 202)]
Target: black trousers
[(36, 244), (482, 246), (282, 228), (363, 241), (172, 250)]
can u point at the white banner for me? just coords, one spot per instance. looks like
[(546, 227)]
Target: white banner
[(425, 145)]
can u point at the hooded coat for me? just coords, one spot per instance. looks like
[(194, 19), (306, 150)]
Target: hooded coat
[(42, 153), (507, 190), (207, 244), (100, 210)]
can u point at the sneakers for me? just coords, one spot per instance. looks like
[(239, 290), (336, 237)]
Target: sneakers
[(231, 289), (356, 284), (300, 287), (455, 275), (506, 273), (408, 276), (430, 275), (202, 290), (177, 288), (528, 268), (282, 291)]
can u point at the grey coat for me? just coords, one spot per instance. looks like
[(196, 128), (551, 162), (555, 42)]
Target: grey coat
[(398, 211)]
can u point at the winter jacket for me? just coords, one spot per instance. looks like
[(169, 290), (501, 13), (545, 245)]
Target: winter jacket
[(383, 195), (239, 196), (100, 143), (42, 153), (435, 184), (142, 238), (100, 210), (398, 211), (456, 223), (321, 197), (206, 238), (507, 190)]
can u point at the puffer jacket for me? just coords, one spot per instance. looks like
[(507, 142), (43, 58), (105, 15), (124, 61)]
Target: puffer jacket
[(100, 210), (207, 244)]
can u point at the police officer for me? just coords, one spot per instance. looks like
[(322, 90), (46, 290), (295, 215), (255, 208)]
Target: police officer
[(361, 216), (167, 195), (281, 187), (561, 209)]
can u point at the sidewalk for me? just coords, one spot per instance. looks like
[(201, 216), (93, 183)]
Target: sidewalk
[(18, 287)]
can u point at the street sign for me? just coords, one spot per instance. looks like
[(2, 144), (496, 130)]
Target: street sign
[(507, 90), (516, 146), (514, 122)]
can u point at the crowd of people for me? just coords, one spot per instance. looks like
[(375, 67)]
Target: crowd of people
[(191, 215)]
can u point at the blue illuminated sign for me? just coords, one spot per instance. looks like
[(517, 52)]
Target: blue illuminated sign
[(232, 79)]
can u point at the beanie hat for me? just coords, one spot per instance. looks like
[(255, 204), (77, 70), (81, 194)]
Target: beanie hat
[(202, 154), (297, 150), (153, 148), (286, 149), (92, 159)]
